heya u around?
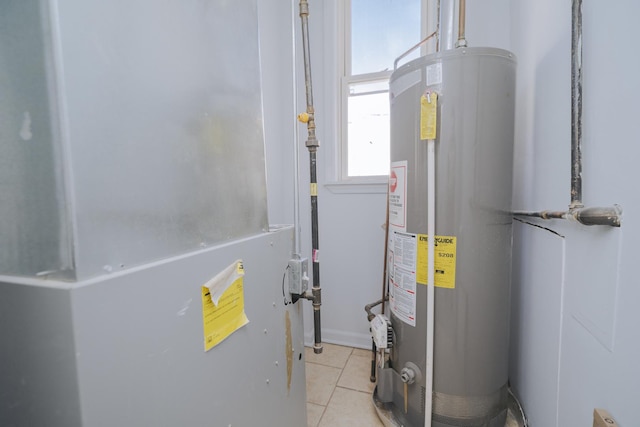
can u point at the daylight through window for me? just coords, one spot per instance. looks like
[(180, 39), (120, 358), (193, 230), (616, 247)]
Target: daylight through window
[(377, 32)]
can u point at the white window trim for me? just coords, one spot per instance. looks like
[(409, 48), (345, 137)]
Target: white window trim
[(337, 13), (334, 63)]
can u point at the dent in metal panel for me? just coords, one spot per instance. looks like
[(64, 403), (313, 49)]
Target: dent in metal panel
[(165, 127), (32, 200)]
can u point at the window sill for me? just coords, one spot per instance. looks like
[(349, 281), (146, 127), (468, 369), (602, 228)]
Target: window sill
[(378, 186)]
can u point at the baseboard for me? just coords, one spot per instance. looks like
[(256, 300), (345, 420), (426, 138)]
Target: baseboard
[(333, 336)]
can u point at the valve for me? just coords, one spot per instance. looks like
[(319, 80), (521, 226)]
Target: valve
[(408, 375), (304, 117)]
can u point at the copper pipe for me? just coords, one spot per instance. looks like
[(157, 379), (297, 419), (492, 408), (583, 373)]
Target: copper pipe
[(462, 12)]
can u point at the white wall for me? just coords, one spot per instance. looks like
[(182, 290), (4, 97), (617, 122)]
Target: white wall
[(574, 336), (350, 235)]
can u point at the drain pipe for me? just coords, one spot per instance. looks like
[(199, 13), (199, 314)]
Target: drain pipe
[(315, 296), (610, 216)]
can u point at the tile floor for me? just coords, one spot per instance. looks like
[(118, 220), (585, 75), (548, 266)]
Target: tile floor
[(338, 388)]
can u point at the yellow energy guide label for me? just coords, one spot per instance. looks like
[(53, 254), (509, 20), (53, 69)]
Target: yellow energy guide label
[(445, 261)]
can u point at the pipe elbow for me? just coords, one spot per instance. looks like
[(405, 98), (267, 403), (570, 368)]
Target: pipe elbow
[(611, 216)]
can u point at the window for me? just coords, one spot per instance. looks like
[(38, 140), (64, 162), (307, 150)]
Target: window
[(375, 33)]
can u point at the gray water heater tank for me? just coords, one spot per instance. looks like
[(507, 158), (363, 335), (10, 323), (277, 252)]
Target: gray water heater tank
[(474, 168)]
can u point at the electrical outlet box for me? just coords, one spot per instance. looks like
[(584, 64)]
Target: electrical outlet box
[(602, 418), (298, 276)]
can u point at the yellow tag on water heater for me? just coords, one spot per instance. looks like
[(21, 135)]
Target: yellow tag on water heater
[(428, 115)]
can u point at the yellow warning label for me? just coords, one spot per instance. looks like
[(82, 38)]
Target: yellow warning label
[(445, 261), (313, 189), (428, 115), (222, 319)]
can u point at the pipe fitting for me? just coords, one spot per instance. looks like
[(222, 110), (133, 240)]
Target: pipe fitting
[(611, 216), (368, 307), (314, 295), (553, 215), (410, 373), (304, 8)]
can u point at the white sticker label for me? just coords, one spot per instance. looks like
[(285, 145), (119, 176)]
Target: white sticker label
[(434, 74), (398, 195), (402, 275)]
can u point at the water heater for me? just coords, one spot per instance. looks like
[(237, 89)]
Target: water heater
[(475, 90)]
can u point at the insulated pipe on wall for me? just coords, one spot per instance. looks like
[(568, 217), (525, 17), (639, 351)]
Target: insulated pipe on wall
[(609, 215), (576, 105)]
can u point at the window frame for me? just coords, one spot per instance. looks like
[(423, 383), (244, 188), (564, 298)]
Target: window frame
[(345, 79)]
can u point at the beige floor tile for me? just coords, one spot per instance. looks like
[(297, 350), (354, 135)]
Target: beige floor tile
[(349, 408), (321, 381), (356, 373), (332, 355), (361, 352), (314, 413)]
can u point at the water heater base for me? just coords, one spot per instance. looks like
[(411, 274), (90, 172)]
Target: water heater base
[(388, 418)]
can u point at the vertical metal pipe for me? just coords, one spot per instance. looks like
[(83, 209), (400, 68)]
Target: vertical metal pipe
[(430, 16), (312, 145), (576, 105), (438, 26), (462, 14), (312, 142), (374, 351), (316, 291), (447, 13), (461, 20)]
